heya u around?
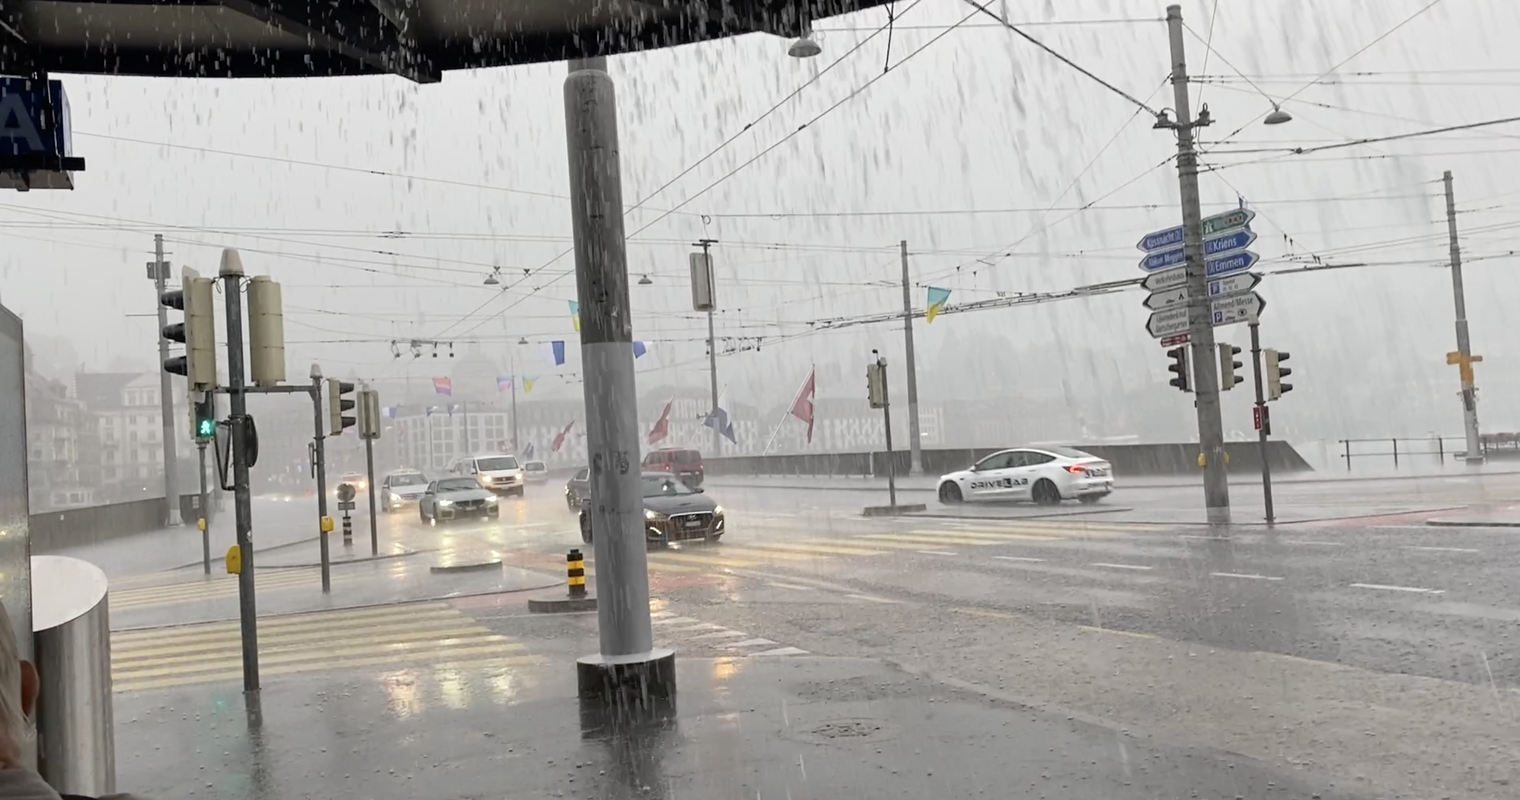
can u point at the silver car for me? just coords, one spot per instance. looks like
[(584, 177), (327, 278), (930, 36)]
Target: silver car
[(453, 498)]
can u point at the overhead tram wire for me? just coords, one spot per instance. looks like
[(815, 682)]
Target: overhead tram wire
[(736, 170)]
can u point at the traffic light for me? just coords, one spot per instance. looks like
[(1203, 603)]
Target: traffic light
[(876, 384), (203, 417), (369, 414), (266, 332), (197, 332), (1227, 367), (337, 404), (1275, 374), (1179, 368)]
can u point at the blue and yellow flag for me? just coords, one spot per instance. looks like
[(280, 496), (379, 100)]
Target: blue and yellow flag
[(575, 315), (937, 298)]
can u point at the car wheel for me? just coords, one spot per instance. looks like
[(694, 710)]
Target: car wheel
[(1045, 493), (585, 531), (522, 492), (1090, 499), (950, 494), (421, 515), (714, 538)]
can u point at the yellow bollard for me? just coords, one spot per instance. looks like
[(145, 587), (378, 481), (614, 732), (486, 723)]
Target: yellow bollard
[(575, 570)]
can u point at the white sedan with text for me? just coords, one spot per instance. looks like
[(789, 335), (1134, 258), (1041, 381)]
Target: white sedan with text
[(1042, 475)]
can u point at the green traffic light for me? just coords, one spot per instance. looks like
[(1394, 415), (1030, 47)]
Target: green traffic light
[(205, 428)]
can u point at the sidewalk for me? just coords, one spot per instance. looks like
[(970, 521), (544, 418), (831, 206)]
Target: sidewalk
[(800, 728)]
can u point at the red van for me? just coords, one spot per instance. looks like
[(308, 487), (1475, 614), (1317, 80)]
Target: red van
[(683, 462)]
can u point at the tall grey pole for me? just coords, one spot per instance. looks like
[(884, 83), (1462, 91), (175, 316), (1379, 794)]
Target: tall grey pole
[(159, 270), (1464, 344), (232, 276), (319, 464), (1264, 421), (464, 410), (1216, 487), (627, 658), (886, 416), (915, 453), (712, 357), (516, 442), (369, 464), (204, 523)]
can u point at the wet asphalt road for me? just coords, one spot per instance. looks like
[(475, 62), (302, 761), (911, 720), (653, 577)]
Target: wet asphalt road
[(1314, 621)]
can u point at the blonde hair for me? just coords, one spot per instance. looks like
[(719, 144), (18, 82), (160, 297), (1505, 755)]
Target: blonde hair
[(13, 722)]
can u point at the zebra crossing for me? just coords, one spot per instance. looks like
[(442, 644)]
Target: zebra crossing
[(686, 634), (143, 591), (751, 547), (433, 635)]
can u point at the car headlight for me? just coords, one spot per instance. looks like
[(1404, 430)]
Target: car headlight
[(652, 515), (717, 511), (445, 502), (491, 501), (395, 498)]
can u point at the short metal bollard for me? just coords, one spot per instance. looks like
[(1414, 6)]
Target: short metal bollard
[(76, 745), (575, 571), (348, 530)]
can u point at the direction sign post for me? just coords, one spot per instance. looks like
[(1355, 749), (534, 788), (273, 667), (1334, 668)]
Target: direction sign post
[(1213, 247), (1175, 320)]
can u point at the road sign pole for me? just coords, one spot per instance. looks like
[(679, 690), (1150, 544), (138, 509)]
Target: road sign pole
[(231, 273), (1263, 420), (369, 464), (1474, 453), (319, 466), (204, 514), (1216, 487)]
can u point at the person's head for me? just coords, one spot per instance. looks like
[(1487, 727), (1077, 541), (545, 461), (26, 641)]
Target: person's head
[(18, 694)]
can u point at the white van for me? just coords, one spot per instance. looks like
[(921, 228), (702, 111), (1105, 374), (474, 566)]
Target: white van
[(496, 473)]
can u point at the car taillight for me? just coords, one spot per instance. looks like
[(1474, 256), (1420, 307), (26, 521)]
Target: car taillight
[(1076, 468)]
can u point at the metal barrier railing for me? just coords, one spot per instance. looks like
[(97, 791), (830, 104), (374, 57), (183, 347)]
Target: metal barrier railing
[(1406, 448), (76, 745)]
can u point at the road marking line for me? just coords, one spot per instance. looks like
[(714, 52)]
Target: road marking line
[(781, 651), (1136, 567), (675, 621), (1441, 549), (749, 643), (1313, 543), (1250, 577), (789, 586), (978, 612), (1093, 629), (937, 552), (1411, 589), (719, 635), (872, 599), (1017, 558)]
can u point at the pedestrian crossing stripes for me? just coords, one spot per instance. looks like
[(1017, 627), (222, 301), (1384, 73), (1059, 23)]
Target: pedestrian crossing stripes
[(209, 587), (749, 547), (671, 629), (421, 634)]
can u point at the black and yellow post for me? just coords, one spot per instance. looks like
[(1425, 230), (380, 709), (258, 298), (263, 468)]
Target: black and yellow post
[(575, 572)]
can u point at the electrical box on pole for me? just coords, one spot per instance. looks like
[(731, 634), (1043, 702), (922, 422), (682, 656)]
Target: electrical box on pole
[(336, 405), (1181, 378), (369, 414), (1227, 367), (876, 383), (266, 332), (197, 332), (1276, 372), (702, 294)]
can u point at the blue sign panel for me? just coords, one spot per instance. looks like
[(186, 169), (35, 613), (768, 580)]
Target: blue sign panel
[(1217, 245), (22, 130), (1219, 223), (1230, 264)]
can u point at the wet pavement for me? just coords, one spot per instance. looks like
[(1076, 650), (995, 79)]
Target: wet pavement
[(1376, 650), (739, 728)]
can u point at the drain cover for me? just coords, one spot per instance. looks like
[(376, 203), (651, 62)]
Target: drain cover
[(849, 729)]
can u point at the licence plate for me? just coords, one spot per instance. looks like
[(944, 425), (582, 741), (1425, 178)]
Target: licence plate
[(694, 523), (1097, 472)]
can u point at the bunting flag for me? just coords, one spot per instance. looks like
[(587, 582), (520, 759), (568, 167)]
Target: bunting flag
[(802, 406), (937, 298), (431, 410), (452, 408), (503, 383), (718, 420), (559, 438), (528, 384), (528, 451), (575, 315), (390, 412), (444, 386), (556, 351), (661, 429), (639, 348)]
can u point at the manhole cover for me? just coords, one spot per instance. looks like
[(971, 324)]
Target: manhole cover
[(852, 729)]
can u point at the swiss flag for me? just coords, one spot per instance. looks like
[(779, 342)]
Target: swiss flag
[(661, 429), (559, 438), (802, 407)]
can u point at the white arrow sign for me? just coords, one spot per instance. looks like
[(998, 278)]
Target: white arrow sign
[(1226, 311), (1166, 298), (1233, 285), (1166, 279), (1169, 288)]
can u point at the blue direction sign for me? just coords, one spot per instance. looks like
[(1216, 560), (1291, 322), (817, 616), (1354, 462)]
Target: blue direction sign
[(1241, 261), (1219, 223), (1216, 245)]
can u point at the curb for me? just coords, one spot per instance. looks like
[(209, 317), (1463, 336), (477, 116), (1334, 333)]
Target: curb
[(561, 605), (334, 562), (898, 510), (1471, 523), (468, 566), (1048, 516)]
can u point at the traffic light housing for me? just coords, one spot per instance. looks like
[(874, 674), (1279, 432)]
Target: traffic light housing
[(1179, 368), (1227, 366), (876, 384), (337, 404), (369, 414), (203, 417), (266, 332), (197, 332), (1276, 372)]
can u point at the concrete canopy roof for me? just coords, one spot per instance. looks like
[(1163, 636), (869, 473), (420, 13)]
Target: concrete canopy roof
[(417, 39)]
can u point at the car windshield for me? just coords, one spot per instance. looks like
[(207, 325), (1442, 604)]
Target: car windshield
[(495, 463), (457, 485), (664, 485), (1068, 452), (407, 480)]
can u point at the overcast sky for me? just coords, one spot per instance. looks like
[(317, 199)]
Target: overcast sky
[(382, 205)]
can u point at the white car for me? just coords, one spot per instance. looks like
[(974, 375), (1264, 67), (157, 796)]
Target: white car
[(1043, 475)]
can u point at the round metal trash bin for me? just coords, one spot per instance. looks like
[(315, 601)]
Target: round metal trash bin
[(76, 746)]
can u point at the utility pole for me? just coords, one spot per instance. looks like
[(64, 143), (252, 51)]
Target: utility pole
[(204, 521), (712, 346), (158, 270), (319, 470), (1463, 358), (231, 273), (369, 431), (915, 454), (628, 670), (464, 410), (1216, 487), (1263, 419)]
